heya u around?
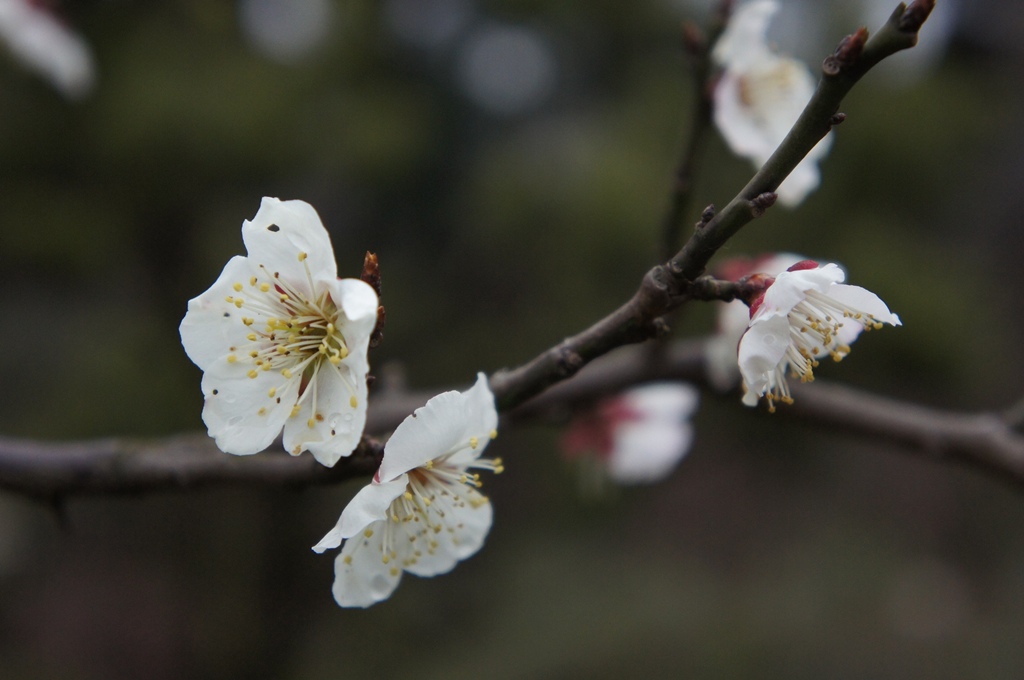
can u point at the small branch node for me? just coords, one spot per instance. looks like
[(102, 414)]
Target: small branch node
[(660, 328), (749, 288), (706, 216), (847, 53), (371, 275), (569, 362), (707, 287), (914, 16), (836, 119), (762, 202), (371, 271)]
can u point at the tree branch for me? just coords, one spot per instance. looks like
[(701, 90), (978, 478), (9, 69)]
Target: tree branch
[(50, 471), (983, 441)]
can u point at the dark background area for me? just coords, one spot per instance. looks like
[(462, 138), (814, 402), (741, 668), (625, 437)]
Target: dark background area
[(509, 162)]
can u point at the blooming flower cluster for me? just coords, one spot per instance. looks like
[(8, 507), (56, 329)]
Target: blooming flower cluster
[(637, 437), (422, 513), (804, 314), (283, 345), (282, 340), (760, 94)]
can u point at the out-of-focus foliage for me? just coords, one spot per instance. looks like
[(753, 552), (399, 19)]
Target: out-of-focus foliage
[(509, 208)]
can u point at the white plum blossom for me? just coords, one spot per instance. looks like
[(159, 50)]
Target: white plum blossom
[(760, 94), (44, 43), (805, 314), (282, 340), (734, 317), (422, 512), (638, 436)]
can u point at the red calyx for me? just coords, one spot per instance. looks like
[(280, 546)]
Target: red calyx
[(802, 265)]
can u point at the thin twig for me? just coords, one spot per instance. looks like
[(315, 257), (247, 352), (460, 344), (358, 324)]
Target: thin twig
[(698, 48)]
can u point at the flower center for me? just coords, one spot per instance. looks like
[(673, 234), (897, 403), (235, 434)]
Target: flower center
[(297, 333), (433, 505), (817, 326)]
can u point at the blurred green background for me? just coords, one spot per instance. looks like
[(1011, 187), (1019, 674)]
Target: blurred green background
[(509, 162)]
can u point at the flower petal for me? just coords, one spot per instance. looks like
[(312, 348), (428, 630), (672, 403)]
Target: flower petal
[(790, 288), (334, 429), (212, 325), (761, 349), (466, 523), (744, 40), (239, 412), (864, 300), (366, 507), (443, 425), (358, 302), (280, 232), (361, 578)]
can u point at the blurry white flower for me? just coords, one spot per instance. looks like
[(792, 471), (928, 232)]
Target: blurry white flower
[(734, 317), (422, 513), (45, 44), (759, 96), (282, 340), (805, 314), (639, 436)]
